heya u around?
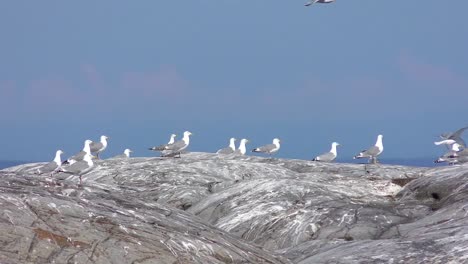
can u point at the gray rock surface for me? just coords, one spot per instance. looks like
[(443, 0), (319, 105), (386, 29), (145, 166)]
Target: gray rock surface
[(203, 208)]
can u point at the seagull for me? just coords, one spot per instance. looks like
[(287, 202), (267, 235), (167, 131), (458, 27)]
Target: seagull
[(329, 156), (230, 149), (373, 151), (318, 1), (98, 147), (53, 165), (125, 155), (242, 149), (454, 157), (270, 149), (79, 168), (455, 136), (162, 147), (177, 147), (80, 155)]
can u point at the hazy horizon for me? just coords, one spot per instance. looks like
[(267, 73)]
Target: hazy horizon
[(139, 71)]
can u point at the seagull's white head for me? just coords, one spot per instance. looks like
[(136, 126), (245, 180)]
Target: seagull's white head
[(187, 133), (127, 152), (457, 147), (334, 144), (60, 152), (276, 141), (173, 135), (87, 142), (104, 138)]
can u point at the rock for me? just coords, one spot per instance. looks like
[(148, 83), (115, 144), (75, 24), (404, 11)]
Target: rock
[(203, 208)]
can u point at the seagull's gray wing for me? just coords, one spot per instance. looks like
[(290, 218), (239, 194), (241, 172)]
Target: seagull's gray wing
[(367, 153), (78, 156), (457, 136), (459, 132), (326, 157), (96, 146), (265, 149), (227, 150), (49, 167), (372, 151), (77, 168), (160, 147), (178, 145)]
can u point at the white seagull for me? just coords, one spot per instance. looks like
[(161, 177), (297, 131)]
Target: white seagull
[(177, 147), (269, 149), (230, 149), (373, 151), (329, 156), (163, 146), (98, 147), (53, 165), (80, 155), (79, 168), (242, 149)]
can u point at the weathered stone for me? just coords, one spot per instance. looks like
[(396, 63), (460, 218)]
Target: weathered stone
[(203, 208)]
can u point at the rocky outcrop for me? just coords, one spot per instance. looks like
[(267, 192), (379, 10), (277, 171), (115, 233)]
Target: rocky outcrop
[(203, 208)]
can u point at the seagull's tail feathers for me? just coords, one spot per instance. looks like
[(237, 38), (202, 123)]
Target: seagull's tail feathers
[(160, 147)]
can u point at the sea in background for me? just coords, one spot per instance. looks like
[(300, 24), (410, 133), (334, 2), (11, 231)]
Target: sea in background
[(415, 162)]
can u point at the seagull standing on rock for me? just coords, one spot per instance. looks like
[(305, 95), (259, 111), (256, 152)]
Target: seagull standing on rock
[(98, 147), (230, 149), (53, 165), (269, 149), (163, 146), (242, 149), (177, 147), (79, 168), (372, 152), (80, 155), (329, 156), (125, 155)]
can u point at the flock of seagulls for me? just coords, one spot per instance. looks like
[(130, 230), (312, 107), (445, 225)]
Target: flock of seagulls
[(457, 152), (82, 162)]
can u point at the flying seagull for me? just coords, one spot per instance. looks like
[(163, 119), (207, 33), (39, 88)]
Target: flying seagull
[(79, 168), (177, 147), (53, 165), (230, 149), (329, 156), (242, 149), (98, 147), (163, 146), (310, 2), (269, 149), (373, 151), (80, 155), (455, 136)]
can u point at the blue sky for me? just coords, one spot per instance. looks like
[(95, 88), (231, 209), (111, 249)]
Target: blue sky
[(138, 71)]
